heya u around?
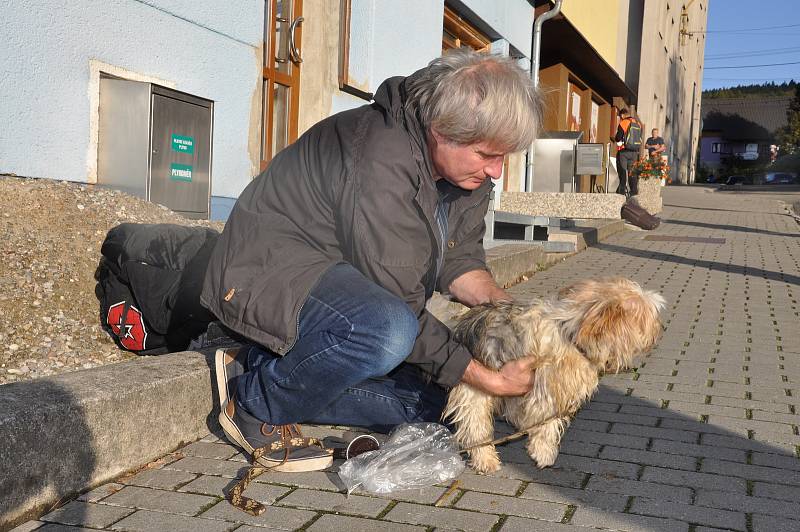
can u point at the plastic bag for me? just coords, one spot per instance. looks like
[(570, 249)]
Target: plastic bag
[(416, 455)]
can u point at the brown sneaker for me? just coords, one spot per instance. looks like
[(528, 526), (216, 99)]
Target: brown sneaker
[(279, 447)]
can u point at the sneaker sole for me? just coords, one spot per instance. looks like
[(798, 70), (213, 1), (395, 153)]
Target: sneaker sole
[(222, 378), (237, 438)]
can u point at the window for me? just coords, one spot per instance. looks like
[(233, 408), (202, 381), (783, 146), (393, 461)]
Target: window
[(458, 33), (720, 147)]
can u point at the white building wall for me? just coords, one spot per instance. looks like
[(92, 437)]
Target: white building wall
[(52, 54), (513, 20), (390, 38)]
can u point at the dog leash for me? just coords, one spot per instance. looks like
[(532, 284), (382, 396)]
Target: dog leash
[(508, 438)]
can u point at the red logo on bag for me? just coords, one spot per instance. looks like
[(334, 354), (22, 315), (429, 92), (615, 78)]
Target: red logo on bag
[(131, 332)]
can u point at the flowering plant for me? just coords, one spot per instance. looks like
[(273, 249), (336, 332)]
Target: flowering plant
[(655, 168)]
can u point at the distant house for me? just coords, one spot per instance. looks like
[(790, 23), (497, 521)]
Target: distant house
[(743, 127)]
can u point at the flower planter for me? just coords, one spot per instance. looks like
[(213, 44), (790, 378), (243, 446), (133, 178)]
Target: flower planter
[(650, 195)]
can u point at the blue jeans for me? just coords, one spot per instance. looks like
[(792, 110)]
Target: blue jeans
[(347, 366)]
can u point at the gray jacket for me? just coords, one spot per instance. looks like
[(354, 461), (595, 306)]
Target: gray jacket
[(358, 188)]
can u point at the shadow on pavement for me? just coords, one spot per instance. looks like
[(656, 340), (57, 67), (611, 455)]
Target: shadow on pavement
[(725, 227), (700, 263)]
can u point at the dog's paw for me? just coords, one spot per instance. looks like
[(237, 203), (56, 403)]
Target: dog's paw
[(544, 456), (484, 461)]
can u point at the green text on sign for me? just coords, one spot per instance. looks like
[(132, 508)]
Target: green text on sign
[(180, 172), (182, 144)]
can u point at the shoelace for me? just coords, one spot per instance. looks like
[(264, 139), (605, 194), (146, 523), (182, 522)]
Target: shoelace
[(291, 437)]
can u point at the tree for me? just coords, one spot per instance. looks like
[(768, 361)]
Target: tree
[(789, 135)]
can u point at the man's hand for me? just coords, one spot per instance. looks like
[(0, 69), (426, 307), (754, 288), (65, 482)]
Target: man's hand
[(477, 287), (514, 378)]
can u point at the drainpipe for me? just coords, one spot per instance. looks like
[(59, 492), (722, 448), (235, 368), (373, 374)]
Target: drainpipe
[(537, 45)]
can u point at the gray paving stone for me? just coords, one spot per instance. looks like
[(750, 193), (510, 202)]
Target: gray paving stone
[(590, 424), (86, 514), (100, 492), (520, 524), (689, 513), (321, 480), (584, 497), (764, 523), (427, 495), (789, 419), (160, 500), (147, 521), (597, 466), (743, 503), (618, 417), (601, 407), (220, 487), (550, 475), (334, 502), (737, 442), (696, 450), (209, 466), (488, 484), (275, 516), (649, 458), (776, 491), (210, 450), (751, 472), (704, 409), (502, 505), (417, 514), (159, 478), (776, 460), (656, 432), (650, 490), (693, 479), (781, 408), (55, 527), (328, 523), (602, 438), (593, 517)]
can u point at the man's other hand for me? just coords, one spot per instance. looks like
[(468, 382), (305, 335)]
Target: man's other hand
[(514, 378)]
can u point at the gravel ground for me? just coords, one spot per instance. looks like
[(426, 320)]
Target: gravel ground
[(50, 237)]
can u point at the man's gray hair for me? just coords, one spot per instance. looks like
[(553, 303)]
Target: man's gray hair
[(468, 97)]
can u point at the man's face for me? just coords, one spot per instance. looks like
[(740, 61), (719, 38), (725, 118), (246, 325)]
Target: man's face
[(466, 166), (655, 132)]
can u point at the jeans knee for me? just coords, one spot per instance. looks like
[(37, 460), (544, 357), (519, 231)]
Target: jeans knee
[(389, 332)]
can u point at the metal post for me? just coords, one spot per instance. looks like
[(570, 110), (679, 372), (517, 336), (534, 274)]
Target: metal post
[(536, 49)]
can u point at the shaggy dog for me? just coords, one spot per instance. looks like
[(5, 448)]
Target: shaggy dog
[(592, 327)]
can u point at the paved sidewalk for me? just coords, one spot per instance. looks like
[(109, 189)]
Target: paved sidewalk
[(703, 435)]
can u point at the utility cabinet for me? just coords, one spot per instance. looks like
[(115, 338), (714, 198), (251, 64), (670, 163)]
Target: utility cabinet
[(554, 161), (155, 143)]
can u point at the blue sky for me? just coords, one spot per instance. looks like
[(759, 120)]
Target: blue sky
[(735, 38)]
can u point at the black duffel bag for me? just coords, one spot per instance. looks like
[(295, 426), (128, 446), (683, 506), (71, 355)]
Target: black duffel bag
[(148, 284), (634, 213)]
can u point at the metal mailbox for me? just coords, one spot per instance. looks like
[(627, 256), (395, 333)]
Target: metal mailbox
[(155, 143)]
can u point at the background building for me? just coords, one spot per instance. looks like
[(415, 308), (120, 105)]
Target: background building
[(273, 68)]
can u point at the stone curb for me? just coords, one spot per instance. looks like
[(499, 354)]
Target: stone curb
[(65, 434)]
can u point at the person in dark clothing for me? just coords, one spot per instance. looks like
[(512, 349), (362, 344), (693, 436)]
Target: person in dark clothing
[(330, 255), (655, 144), (628, 153)]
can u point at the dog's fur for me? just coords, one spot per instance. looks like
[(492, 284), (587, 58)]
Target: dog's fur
[(592, 326)]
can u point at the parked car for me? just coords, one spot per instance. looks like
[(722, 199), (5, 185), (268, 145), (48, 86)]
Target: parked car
[(739, 180), (780, 178)]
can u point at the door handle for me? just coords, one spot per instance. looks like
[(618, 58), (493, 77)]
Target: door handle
[(293, 52)]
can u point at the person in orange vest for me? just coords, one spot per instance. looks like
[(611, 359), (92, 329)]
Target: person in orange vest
[(629, 141)]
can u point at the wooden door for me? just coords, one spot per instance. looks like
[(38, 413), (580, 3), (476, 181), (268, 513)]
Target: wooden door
[(281, 77)]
